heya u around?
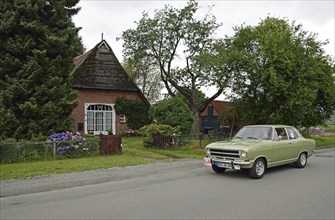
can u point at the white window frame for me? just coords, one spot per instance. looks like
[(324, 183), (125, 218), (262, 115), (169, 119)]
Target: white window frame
[(104, 119), (123, 119)]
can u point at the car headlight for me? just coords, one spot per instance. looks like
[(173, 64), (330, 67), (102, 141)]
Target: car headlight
[(243, 154), (208, 151)]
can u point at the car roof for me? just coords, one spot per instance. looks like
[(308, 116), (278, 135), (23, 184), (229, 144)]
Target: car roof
[(273, 126)]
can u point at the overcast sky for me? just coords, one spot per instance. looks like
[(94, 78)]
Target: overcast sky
[(112, 17)]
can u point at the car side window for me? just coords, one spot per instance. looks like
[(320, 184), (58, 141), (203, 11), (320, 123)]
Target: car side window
[(281, 133), (275, 135), (291, 133)]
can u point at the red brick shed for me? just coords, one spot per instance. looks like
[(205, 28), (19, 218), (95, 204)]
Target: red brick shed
[(100, 80)]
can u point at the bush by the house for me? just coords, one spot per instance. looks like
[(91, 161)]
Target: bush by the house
[(135, 111), (156, 129), (71, 145)]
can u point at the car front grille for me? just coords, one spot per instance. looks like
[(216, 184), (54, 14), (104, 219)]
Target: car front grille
[(225, 153)]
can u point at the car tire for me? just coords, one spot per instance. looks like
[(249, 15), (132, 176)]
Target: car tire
[(218, 169), (302, 160), (258, 169)]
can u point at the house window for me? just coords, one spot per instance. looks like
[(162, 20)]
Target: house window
[(122, 119), (99, 118)]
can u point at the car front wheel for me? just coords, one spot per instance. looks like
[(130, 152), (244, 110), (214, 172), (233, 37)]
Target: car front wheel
[(302, 161), (218, 169), (258, 169)]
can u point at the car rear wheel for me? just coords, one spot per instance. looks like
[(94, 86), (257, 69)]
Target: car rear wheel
[(218, 169), (302, 160), (258, 169)]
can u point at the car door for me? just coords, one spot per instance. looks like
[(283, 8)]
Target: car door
[(294, 143), (281, 146)]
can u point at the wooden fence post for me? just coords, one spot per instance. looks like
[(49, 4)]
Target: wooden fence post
[(54, 148)]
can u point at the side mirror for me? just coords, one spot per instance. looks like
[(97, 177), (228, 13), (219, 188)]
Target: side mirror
[(280, 137)]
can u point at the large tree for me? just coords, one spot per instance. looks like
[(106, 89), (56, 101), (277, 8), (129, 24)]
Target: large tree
[(281, 74), (146, 76), (172, 40), (38, 42)]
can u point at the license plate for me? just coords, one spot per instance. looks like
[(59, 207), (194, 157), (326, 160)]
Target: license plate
[(224, 165)]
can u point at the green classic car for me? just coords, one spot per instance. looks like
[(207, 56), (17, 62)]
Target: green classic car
[(258, 147)]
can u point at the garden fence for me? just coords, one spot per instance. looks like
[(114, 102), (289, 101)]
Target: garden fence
[(168, 141), (110, 144), (12, 151)]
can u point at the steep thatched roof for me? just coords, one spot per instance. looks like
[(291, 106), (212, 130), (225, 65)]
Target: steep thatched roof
[(100, 69)]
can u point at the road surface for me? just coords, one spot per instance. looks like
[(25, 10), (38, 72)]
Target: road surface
[(193, 193)]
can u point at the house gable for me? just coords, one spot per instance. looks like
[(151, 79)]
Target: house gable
[(100, 69), (217, 107)]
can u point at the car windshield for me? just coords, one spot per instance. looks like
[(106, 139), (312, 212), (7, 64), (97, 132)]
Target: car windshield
[(259, 133)]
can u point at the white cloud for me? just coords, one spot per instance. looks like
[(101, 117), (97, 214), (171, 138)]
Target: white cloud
[(115, 16)]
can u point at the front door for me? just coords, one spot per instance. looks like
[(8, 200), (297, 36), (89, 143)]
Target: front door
[(99, 118)]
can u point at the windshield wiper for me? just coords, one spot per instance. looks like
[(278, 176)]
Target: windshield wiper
[(238, 137), (255, 138)]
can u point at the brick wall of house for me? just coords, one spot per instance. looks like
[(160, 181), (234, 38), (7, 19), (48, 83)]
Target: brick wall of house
[(99, 97)]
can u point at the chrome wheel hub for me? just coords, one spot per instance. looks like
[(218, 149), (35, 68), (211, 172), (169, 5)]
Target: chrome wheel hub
[(303, 159), (260, 168)]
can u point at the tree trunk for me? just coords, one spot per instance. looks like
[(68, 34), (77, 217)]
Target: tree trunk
[(196, 122)]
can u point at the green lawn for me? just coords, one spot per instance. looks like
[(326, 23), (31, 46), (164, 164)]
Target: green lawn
[(324, 141), (133, 154), (330, 128), (38, 168)]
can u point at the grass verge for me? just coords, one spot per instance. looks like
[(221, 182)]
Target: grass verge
[(133, 154), (324, 141), (38, 168), (330, 128)]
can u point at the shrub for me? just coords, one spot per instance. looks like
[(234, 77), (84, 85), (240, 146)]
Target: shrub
[(135, 111), (156, 129), (72, 145), (174, 112)]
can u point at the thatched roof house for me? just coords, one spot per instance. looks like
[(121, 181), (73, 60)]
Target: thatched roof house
[(100, 80)]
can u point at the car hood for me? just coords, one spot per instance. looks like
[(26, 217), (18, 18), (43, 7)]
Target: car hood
[(234, 144)]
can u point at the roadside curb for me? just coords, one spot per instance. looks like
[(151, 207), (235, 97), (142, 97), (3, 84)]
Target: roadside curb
[(325, 147)]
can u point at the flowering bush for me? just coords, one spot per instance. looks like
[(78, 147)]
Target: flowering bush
[(69, 144)]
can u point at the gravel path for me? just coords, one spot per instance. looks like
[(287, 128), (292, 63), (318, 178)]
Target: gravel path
[(61, 181)]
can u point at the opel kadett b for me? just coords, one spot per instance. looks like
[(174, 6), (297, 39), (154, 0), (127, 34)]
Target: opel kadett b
[(258, 147)]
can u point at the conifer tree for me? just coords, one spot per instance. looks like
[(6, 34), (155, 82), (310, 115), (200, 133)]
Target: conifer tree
[(38, 41)]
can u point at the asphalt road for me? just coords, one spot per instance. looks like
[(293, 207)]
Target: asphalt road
[(192, 193)]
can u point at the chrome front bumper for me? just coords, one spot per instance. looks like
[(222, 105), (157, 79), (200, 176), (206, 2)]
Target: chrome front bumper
[(233, 164)]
